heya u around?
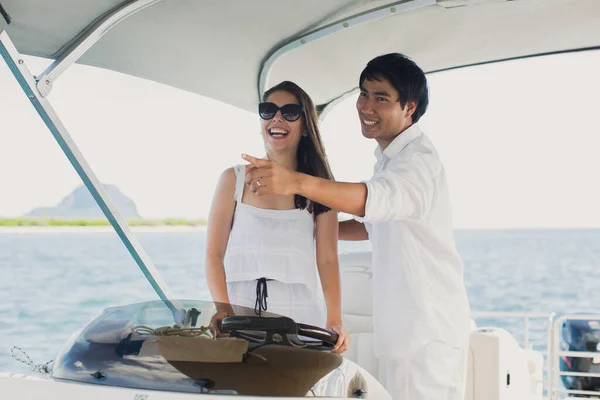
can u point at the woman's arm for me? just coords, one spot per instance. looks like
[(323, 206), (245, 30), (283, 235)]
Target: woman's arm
[(329, 272), (217, 235)]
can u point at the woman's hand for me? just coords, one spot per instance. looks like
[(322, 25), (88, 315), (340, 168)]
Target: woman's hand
[(223, 310), (343, 341)]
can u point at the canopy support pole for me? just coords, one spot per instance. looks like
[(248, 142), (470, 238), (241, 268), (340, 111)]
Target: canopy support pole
[(84, 41), (17, 66)]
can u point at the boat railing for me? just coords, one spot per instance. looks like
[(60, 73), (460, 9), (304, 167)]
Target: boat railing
[(557, 351), (526, 317), (551, 350)]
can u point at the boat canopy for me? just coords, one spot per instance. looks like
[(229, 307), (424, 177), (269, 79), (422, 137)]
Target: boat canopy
[(231, 50)]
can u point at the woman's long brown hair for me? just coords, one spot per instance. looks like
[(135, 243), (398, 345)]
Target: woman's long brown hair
[(311, 156)]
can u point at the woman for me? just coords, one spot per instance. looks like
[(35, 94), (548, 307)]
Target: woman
[(261, 251)]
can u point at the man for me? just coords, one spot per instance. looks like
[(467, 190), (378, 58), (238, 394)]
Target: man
[(420, 307)]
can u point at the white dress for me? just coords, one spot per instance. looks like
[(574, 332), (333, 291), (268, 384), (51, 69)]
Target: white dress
[(273, 250)]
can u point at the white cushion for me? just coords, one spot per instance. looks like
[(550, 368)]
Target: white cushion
[(357, 308), (357, 298)]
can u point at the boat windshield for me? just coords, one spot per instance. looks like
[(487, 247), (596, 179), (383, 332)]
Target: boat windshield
[(223, 349)]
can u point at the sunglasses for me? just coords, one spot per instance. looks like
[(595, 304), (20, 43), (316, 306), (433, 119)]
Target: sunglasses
[(289, 112)]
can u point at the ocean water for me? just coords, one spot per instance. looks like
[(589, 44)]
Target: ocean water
[(52, 284)]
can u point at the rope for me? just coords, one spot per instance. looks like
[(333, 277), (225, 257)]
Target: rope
[(208, 332), (45, 368)]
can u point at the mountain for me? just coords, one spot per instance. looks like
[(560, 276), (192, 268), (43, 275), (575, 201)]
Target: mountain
[(81, 204)]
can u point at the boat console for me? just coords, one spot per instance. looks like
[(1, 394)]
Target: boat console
[(230, 350)]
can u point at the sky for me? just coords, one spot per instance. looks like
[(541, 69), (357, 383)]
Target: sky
[(519, 141)]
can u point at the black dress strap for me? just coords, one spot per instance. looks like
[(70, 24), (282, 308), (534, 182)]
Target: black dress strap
[(261, 296)]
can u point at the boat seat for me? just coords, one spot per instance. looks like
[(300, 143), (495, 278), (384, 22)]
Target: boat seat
[(357, 306), (499, 368)]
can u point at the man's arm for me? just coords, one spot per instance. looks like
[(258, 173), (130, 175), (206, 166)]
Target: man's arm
[(352, 230), (350, 198), (405, 189), (266, 177)]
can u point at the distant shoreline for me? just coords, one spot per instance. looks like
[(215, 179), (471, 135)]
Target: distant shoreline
[(98, 229), (85, 222), (45, 225), (52, 225), (202, 228)]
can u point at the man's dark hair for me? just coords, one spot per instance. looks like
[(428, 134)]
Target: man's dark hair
[(404, 75)]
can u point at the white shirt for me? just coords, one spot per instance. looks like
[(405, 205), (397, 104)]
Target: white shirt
[(418, 290)]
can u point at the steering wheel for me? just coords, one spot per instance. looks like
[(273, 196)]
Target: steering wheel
[(280, 330)]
